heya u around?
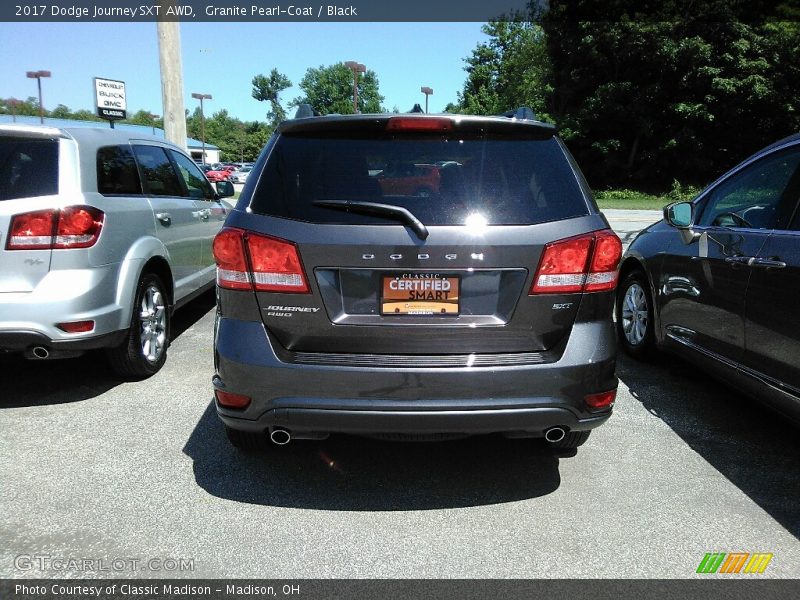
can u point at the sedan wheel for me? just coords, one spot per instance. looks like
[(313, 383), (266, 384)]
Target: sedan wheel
[(635, 316)]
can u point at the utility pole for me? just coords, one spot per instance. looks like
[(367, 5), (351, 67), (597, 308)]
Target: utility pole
[(169, 55), (356, 67), (37, 75)]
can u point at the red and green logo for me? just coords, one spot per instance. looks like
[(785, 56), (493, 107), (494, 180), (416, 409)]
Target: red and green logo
[(734, 562)]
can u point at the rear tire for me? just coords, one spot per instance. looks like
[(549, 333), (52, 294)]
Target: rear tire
[(245, 440), (634, 316), (144, 350), (571, 440)]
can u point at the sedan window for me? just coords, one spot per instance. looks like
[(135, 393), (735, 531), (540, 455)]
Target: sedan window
[(752, 197)]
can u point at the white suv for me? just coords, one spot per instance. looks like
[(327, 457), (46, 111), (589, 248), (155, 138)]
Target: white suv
[(103, 233)]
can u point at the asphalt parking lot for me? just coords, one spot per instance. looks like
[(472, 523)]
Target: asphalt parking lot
[(96, 468)]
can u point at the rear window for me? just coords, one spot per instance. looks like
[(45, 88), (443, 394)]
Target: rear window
[(28, 168), (442, 181)]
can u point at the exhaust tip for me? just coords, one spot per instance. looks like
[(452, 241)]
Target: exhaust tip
[(40, 352), (281, 437), (555, 434)]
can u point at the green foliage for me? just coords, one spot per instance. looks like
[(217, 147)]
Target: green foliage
[(330, 90), (633, 199), (508, 71), (237, 140), (646, 92), (29, 107), (266, 89), (630, 200), (643, 101)]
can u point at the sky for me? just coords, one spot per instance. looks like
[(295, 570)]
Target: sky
[(221, 59)]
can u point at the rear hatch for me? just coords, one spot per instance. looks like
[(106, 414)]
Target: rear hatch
[(442, 264), (29, 180)]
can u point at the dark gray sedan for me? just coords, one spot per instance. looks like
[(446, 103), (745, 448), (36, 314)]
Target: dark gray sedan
[(718, 278)]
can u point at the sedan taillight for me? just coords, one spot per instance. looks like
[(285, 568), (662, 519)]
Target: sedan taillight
[(586, 263), (248, 260), (70, 227)]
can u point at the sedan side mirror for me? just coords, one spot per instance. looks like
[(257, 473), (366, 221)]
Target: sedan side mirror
[(681, 215), (225, 189)]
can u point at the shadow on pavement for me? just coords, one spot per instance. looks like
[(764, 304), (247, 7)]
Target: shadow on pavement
[(751, 446), (361, 474), (47, 382)]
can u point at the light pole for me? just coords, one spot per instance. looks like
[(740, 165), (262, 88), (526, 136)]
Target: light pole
[(356, 67), (428, 92), (153, 121), (37, 75), (202, 97)]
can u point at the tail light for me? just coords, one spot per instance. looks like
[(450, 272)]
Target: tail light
[(587, 263), (431, 124), (70, 227), (252, 261), (232, 271)]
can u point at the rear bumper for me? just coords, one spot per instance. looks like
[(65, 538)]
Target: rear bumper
[(28, 319), (527, 422), (19, 341), (519, 399)]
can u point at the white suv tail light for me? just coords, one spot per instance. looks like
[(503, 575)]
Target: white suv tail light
[(54, 229)]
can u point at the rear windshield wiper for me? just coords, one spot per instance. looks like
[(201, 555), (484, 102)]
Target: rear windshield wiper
[(381, 210)]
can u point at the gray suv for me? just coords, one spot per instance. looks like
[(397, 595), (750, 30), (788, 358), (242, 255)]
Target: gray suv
[(349, 304), (102, 233)]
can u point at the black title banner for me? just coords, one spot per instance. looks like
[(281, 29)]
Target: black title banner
[(265, 11), (389, 589)]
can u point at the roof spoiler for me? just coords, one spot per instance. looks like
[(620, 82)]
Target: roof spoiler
[(523, 113)]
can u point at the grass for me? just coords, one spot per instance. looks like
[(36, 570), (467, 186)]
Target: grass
[(632, 199)]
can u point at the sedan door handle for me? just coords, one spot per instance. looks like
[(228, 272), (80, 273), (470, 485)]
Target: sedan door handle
[(739, 260), (165, 218), (767, 263)]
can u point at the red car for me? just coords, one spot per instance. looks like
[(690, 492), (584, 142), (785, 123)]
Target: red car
[(221, 174), (409, 179)]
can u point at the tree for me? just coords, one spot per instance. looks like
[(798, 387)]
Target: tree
[(266, 89), (29, 107), (508, 71), (330, 90), (648, 99)]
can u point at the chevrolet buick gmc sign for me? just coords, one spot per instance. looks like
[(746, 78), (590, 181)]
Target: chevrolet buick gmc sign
[(110, 99)]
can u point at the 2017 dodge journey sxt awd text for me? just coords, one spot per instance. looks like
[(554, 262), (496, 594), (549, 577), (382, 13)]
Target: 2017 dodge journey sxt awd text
[(480, 306)]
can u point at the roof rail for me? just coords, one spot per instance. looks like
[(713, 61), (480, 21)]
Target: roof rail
[(522, 113), (304, 111)]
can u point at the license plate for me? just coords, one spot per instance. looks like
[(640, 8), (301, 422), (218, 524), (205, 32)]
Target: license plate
[(420, 294)]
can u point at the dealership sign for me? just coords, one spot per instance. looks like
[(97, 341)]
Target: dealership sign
[(110, 99)]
